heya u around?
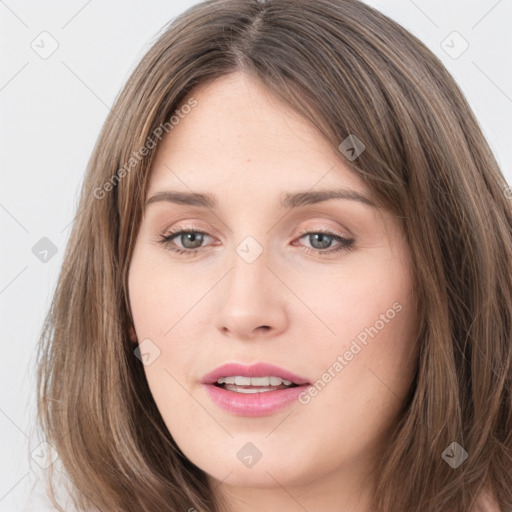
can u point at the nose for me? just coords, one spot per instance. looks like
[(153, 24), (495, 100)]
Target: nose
[(252, 301)]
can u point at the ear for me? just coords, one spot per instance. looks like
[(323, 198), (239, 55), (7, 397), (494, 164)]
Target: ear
[(133, 334)]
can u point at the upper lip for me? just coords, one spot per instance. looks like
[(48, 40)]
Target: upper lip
[(253, 370)]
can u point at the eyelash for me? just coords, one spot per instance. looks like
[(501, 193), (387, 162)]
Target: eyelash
[(346, 244)]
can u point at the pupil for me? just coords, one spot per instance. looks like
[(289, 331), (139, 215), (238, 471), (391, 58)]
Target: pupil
[(191, 237), (323, 245)]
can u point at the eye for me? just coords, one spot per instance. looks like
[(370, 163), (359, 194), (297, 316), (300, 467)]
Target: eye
[(321, 240), (192, 239)]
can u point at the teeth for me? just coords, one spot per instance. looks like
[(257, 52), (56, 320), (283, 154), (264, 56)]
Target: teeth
[(240, 389), (260, 381), (226, 380), (254, 381)]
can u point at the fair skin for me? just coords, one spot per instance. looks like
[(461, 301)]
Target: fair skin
[(291, 307)]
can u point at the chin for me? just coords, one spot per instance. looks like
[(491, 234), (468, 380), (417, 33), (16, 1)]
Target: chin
[(258, 477)]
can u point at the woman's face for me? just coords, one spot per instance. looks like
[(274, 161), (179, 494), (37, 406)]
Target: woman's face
[(264, 286)]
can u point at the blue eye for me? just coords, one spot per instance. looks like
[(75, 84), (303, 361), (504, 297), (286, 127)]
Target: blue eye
[(185, 236), (324, 240), (192, 239)]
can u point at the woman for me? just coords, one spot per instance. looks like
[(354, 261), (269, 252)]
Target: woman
[(288, 286)]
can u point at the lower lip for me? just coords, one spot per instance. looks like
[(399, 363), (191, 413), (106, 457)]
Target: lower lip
[(254, 404)]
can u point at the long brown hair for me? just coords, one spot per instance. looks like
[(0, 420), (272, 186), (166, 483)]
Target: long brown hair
[(349, 70)]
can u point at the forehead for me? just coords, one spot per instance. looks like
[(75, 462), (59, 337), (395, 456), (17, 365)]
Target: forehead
[(241, 137)]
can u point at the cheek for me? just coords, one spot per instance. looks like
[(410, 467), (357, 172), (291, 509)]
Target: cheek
[(160, 296), (354, 301), (367, 350), (165, 319)]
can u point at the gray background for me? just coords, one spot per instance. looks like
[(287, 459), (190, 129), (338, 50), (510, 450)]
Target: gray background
[(53, 106)]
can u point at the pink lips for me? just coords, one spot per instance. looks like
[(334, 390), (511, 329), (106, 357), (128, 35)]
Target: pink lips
[(254, 370), (253, 404)]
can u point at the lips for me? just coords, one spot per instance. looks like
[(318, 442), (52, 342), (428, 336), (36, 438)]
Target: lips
[(255, 370), (242, 399)]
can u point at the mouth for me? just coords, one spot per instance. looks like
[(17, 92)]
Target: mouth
[(253, 390), (241, 384)]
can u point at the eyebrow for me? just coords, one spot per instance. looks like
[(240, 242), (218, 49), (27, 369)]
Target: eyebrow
[(288, 200)]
